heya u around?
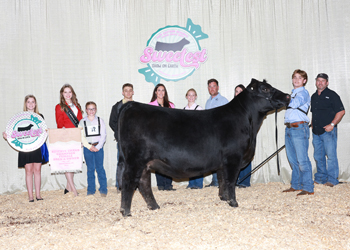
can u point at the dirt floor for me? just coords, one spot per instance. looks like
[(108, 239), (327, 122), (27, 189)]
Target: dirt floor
[(188, 219)]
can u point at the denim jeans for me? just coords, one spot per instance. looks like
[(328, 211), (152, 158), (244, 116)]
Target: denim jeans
[(163, 181), (297, 144), (326, 144), (214, 180), (94, 161), (244, 172), (196, 182)]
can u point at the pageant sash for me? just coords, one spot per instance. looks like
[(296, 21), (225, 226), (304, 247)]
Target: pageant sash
[(72, 117)]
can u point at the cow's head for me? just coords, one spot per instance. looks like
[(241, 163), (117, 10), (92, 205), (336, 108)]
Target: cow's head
[(270, 98)]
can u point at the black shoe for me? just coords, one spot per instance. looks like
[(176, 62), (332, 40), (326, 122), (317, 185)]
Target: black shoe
[(195, 187), (240, 186), (39, 199), (161, 188), (31, 200), (66, 191), (170, 189)]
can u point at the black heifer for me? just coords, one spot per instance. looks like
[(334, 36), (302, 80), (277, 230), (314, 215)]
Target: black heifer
[(25, 128), (171, 46), (182, 143)]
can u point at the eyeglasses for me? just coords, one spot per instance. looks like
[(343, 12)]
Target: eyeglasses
[(91, 109)]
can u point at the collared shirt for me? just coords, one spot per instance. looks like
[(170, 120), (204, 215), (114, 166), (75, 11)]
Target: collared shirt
[(300, 98), (215, 102), (194, 105), (324, 107), (125, 101), (101, 139)]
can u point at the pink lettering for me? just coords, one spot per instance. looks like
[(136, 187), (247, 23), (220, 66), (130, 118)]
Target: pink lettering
[(169, 56), (147, 55), (186, 59), (177, 57), (159, 57), (14, 134), (32, 133)]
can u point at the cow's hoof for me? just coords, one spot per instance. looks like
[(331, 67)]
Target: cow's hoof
[(223, 198), (154, 207), (124, 213), (232, 203)]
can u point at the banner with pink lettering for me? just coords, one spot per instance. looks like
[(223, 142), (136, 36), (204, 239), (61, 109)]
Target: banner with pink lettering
[(26, 131), (173, 53), (65, 151)]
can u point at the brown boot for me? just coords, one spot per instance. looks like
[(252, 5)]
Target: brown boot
[(305, 193), (290, 190), (328, 184)]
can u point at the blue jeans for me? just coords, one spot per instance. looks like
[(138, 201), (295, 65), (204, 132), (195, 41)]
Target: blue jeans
[(297, 145), (196, 182), (326, 144), (244, 172), (163, 181), (214, 180), (94, 161)]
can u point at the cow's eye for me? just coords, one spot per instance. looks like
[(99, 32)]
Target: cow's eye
[(266, 90)]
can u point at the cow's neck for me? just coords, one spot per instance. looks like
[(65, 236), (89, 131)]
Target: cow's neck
[(251, 108)]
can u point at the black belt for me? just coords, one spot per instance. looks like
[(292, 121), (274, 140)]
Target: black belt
[(294, 124), (93, 144)]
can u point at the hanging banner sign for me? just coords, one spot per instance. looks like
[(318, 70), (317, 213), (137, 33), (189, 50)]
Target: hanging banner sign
[(65, 151), (26, 131), (173, 53)]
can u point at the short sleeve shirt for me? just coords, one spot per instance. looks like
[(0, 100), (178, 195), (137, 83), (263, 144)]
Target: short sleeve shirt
[(324, 107), (215, 102)]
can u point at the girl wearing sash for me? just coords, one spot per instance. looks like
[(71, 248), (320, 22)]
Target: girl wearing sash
[(31, 161), (191, 96), (160, 98), (93, 138), (68, 115)]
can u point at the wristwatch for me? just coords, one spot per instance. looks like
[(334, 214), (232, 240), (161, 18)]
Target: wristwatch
[(332, 124)]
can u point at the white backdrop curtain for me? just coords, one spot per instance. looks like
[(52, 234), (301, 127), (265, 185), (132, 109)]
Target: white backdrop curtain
[(95, 46)]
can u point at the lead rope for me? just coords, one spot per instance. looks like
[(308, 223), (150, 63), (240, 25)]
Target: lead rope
[(278, 162)]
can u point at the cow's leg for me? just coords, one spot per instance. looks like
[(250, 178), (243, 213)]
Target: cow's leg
[(128, 187), (120, 171), (223, 192), (230, 175), (146, 190), (232, 194)]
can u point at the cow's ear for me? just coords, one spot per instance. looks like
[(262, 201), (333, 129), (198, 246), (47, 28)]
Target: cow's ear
[(253, 84)]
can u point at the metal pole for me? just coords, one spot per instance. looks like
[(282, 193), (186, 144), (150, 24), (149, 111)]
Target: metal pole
[(261, 164)]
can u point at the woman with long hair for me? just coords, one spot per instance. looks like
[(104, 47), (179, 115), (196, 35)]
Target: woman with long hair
[(31, 161), (160, 98), (68, 115)]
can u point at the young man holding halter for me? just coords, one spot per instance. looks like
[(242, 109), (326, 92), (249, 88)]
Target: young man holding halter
[(297, 136)]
